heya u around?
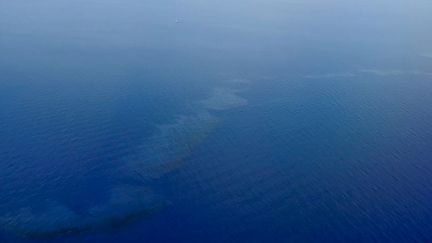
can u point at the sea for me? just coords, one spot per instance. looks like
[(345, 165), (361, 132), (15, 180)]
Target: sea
[(215, 121)]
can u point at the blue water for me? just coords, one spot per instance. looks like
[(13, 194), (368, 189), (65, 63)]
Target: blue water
[(215, 121)]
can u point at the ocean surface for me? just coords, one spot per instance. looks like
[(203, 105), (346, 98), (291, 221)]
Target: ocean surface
[(215, 121)]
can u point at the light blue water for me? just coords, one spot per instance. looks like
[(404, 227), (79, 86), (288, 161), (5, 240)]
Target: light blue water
[(190, 121)]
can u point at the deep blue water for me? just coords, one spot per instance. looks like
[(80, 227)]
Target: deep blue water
[(215, 121)]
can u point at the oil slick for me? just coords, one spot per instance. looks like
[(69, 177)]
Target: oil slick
[(124, 205), (369, 72), (224, 99), (132, 196)]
